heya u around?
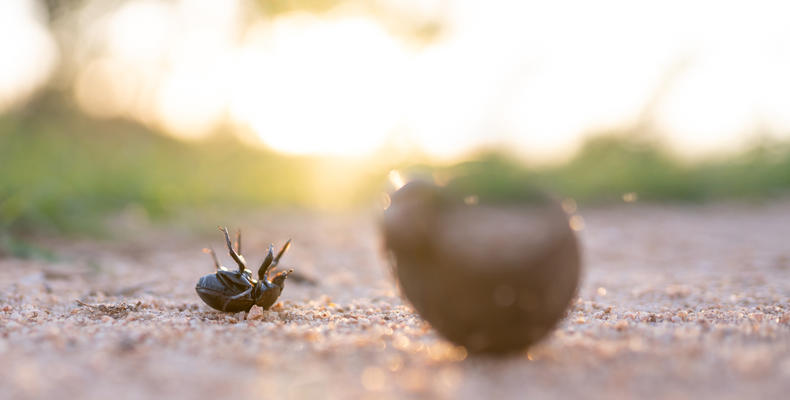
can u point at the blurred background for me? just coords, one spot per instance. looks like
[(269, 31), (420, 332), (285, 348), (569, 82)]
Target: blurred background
[(143, 110)]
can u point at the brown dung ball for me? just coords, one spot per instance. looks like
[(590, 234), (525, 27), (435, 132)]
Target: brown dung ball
[(491, 272)]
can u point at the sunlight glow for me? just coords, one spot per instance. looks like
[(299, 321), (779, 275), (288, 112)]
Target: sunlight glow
[(313, 85), (173, 74), (396, 179), (528, 76), (28, 51)]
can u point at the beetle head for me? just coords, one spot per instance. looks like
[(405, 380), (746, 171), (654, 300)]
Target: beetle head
[(279, 279)]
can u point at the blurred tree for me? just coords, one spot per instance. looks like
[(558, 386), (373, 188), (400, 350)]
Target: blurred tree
[(275, 7), (69, 22), (56, 8)]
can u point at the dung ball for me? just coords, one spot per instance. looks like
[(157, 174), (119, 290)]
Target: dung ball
[(490, 270)]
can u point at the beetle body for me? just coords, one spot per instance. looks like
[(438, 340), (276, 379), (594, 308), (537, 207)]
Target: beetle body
[(236, 291)]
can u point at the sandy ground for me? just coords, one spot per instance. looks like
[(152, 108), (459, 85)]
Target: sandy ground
[(676, 302)]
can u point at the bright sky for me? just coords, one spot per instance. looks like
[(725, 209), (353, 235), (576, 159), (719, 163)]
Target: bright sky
[(532, 75), (27, 52)]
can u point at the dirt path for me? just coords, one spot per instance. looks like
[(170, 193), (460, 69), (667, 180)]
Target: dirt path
[(676, 302)]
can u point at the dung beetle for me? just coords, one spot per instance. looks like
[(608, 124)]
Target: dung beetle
[(235, 291)]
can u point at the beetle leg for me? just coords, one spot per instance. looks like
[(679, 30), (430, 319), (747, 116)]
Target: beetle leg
[(238, 241), (228, 281), (238, 296), (266, 264), (235, 256), (213, 256), (280, 254)]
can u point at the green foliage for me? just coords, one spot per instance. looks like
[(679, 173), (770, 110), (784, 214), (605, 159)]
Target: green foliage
[(762, 170), (610, 166), (62, 176), (606, 167), (67, 174), (492, 177)]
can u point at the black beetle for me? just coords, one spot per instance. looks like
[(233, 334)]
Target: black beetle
[(234, 291)]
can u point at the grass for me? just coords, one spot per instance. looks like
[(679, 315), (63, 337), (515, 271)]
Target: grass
[(66, 173), (609, 166), (62, 176)]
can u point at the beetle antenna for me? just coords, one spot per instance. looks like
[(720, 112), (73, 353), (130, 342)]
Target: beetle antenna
[(238, 241)]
